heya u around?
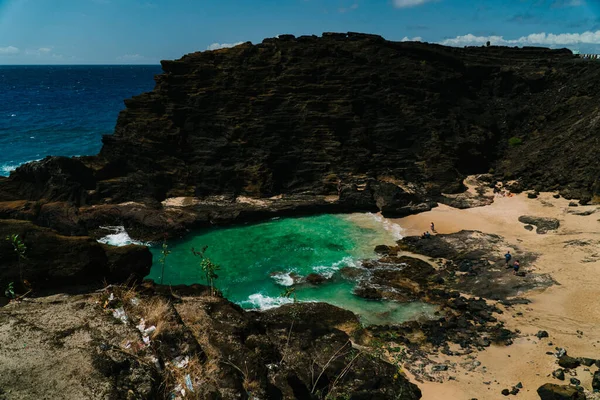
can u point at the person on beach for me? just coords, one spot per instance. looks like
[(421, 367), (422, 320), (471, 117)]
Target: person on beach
[(426, 235), (507, 257), (516, 266), (339, 187), (432, 227)]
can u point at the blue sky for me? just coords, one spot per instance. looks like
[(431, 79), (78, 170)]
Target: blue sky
[(146, 31)]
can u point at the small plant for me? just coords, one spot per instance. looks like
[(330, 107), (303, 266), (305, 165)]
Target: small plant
[(163, 258), (290, 292), (10, 291), (19, 248), (515, 141), (208, 267)]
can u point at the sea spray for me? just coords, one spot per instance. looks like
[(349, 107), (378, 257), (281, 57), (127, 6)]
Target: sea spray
[(118, 237)]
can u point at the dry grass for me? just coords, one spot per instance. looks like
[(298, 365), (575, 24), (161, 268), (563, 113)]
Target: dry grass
[(157, 312)]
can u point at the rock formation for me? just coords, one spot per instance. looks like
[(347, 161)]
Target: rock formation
[(394, 124)]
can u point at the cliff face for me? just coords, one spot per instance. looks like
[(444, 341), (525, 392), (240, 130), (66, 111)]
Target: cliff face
[(292, 121), (298, 115), (295, 115)]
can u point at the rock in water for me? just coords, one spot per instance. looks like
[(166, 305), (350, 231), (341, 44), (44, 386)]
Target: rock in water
[(550, 391), (315, 279), (543, 224)]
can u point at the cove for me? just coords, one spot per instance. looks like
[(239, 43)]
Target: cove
[(258, 262)]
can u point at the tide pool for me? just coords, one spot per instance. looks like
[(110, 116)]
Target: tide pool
[(258, 262)]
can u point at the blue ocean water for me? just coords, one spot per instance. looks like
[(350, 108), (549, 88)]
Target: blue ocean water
[(63, 110)]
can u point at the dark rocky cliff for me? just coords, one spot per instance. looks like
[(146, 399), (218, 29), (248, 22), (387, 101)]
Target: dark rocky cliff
[(296, 122), (292, 115), (296, 115)]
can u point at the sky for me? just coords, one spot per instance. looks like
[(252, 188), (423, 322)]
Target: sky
[(147, 31)]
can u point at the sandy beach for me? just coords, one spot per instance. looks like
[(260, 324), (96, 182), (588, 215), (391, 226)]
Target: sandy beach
[(562, 310)]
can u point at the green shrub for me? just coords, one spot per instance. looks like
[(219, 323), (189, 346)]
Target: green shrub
[(515, 141)]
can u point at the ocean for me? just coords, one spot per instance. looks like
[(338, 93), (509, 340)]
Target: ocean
[(63, 110)]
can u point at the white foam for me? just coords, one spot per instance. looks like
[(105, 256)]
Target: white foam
[(283, 279), (391, 227), (328, 270), (262, 302), (119, 237), (7, 168)]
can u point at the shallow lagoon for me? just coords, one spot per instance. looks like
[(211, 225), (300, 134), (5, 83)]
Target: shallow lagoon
[(258, 262)]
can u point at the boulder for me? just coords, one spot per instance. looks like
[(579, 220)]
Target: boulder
[(559, 374), (551, 391), (315, 279), (543, 224), (542, 334), (568, 362)]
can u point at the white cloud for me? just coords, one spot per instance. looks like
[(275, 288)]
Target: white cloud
[(8, 50), (542, 38), (217, 46), (410, 3), (39, 52), (413, 39)]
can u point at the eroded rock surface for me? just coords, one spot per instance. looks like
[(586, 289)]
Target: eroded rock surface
[(125, 343)]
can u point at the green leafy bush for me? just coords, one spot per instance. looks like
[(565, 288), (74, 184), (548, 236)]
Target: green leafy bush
[(515, 141)]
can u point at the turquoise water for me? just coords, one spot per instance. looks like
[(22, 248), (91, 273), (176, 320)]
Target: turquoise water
[(259, 261)]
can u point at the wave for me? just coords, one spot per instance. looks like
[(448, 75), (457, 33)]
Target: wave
[(7, 167), (262, 302), (391, 227), (328, 270), (119, 237), (283, 278)]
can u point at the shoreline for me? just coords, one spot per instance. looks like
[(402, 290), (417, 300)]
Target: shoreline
[(562, 310)]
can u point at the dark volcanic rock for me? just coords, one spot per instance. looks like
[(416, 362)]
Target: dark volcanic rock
[(384, 125), (52, 179), (559, 374), (596, 381), (543, 224), (568, 362), (315, 279), (476, 263), (550, 391), (56, 260), (575, 381), (542, 334)]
